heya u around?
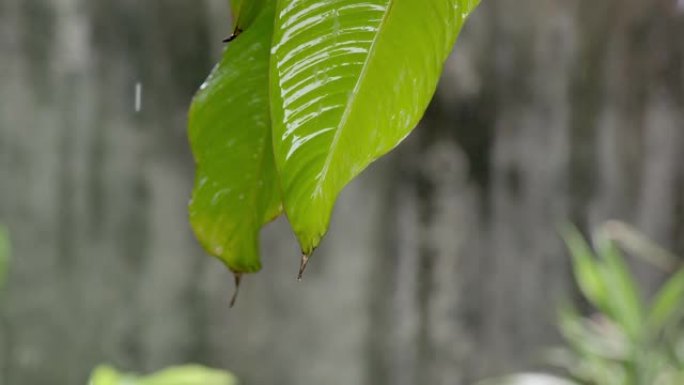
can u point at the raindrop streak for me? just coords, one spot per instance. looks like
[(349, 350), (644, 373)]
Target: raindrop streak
[(138, 97)]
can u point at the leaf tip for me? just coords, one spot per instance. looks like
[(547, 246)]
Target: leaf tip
[(302, 265), (238, 280)]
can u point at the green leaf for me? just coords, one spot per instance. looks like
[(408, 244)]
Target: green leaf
[(592, 337), (586, 269), (106, 375), (236, 190), (625, 298), (349, 80), (246, 11), (179, 375), (189, 375), (668, 302)]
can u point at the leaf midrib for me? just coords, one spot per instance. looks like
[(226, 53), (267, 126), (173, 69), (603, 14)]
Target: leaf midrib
[(352, 101)]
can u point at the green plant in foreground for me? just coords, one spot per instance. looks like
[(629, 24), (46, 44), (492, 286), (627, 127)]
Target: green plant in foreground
[(308, 94), (180, 375), (628, 340)]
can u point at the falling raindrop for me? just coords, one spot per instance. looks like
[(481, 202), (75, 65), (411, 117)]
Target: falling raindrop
[(138, 97)]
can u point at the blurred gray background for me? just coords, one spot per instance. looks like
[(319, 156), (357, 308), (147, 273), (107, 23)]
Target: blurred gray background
[(443, 264)]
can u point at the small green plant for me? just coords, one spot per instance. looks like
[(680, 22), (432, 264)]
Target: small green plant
[(626, 340), (180, 375), (307, 95)]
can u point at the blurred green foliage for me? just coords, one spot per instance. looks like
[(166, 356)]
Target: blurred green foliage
[(627, 339), (180, 375)]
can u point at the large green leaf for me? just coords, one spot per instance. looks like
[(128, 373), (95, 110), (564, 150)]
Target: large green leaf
[(236, 190), (349, 80), (246, 11)]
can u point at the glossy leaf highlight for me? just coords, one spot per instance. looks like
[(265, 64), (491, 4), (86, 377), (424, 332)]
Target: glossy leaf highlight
[(349, 80)]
